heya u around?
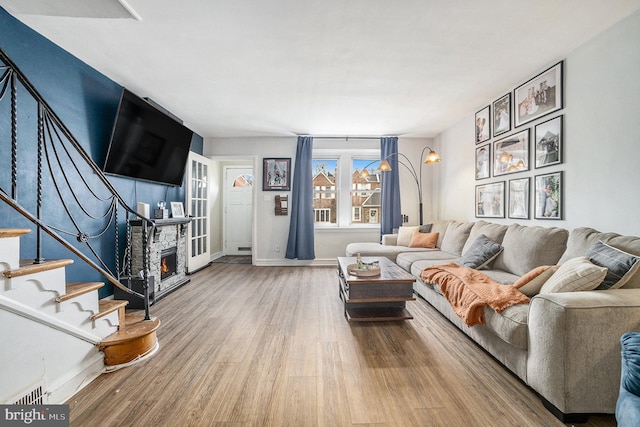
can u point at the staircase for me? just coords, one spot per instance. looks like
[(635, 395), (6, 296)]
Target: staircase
[(56, 334)]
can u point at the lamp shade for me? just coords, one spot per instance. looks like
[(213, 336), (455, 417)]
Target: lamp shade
[(385, 166), (432, 157)]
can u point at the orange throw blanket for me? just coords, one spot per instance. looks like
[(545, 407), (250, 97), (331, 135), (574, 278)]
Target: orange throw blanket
[(469, 290)]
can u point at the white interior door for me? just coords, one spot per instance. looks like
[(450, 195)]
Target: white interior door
[(238, 208), (198, 245)]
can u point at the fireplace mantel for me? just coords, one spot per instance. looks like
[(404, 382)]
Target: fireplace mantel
[(162, 234)]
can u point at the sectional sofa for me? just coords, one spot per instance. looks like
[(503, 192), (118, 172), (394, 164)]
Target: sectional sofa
[(565, 342)]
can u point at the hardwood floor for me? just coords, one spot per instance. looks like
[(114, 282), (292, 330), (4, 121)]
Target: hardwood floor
[(269, 346)]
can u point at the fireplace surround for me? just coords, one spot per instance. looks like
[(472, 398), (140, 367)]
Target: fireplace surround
[(167, 252)]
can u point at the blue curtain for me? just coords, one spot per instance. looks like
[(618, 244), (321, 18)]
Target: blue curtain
[(301, 233), (391, 216)]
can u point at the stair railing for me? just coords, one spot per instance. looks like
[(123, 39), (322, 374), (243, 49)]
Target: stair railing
[(91, 205)]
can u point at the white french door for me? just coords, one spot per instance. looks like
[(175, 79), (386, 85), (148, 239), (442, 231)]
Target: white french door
[(198, 240)]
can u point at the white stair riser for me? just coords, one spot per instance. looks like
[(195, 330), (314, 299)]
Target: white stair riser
[(9, 253), (78, 310), (53, 281), (106, 325)]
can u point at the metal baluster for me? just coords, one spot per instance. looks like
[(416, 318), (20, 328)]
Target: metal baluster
[(39, 259), (145, 268), (116, 241), (14, 138)]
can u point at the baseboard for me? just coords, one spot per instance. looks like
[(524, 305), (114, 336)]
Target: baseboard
[(318, 262), (63, 389)]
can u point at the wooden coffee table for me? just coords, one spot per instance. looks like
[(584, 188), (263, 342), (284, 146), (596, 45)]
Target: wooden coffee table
[(377, 298)]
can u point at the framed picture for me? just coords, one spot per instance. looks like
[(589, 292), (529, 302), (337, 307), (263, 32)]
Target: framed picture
[(548, 140), (519, 198), (490, 200), (177, 210), (483, 161), (276, 174), (549, 196), (539, 96), (483, 125), (502, 115), (511, 154)]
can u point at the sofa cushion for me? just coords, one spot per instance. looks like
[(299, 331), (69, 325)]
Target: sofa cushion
[(494, 232), (376, 249), (456, 236), (620, 264), (528, 247), (531, 283), (405, 233), (501, 276), (439, 227), (583, 238), (390, 239), (423, 240), (578, 274), (414, 264), (480, 253), (510, 325), (432, 257)]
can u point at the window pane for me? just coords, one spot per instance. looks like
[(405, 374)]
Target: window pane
[(365, 192), (325, 178)]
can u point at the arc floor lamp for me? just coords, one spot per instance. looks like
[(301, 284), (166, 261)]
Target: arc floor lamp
[(430, 158)]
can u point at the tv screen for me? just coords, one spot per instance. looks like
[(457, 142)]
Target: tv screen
[(147, 144)]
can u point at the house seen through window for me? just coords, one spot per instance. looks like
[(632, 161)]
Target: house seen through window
[(349, 200)]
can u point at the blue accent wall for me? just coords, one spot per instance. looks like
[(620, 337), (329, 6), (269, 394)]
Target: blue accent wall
[(86, 101)]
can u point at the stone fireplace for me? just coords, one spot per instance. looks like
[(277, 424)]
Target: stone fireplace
[(167, 252)]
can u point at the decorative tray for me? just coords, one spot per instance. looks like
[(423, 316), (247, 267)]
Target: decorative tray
[(363, 272)]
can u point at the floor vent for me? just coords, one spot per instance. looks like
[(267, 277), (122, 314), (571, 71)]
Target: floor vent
[(32, 397)]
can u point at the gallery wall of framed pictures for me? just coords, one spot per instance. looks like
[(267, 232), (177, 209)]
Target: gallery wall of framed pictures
[(515, 136)]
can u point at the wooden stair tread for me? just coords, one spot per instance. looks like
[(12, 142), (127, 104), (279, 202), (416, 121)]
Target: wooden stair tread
[(135, 327), (28, 267), (13, 232), (136, 339), (106, 306), (75, 289)]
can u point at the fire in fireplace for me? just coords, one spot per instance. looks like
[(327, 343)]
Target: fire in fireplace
[(168, 263)]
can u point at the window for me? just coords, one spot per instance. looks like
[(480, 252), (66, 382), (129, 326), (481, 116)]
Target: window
[(325, 176), (352, 200), (322, 215), (356, 215)]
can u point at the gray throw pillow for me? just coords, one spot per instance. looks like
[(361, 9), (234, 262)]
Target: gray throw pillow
[(425, 228), (480, 253), (621, 265)]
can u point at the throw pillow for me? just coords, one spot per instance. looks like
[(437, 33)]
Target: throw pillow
[(577, 274), (621, 265), (423, 240), (405, 233), (531, 283), (426, 228), (480, 253)]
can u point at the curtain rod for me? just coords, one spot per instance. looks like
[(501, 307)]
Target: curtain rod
[(346, 138)]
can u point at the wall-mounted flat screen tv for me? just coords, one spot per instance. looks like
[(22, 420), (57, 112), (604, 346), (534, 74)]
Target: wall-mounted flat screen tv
[(147, 143)]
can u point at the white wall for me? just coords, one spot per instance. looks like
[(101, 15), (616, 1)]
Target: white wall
[(271, 230), (601, 140)]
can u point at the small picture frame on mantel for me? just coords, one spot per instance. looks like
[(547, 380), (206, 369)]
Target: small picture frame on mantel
[(177, 210)]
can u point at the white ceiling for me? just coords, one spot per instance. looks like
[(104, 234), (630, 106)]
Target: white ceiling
[(323, 67)]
